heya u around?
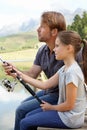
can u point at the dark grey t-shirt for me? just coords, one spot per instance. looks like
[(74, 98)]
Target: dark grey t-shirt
[(48, 64)]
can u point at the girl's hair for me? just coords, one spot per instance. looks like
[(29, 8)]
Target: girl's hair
[(84, 56), (54, 20), (73, 38)]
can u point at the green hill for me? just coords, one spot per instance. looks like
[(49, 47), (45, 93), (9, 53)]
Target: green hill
[(18, 42), (18, 49)]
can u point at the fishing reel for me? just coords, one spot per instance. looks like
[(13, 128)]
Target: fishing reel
[(9, 85)]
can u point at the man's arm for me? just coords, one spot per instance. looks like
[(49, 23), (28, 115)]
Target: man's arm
[(34, 71)]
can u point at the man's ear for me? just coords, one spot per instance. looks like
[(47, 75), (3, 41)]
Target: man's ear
[(54, 32)]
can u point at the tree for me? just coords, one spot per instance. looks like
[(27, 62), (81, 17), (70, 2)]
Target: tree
[(80, 25)]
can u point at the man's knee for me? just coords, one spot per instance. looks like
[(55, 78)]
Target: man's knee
[(18, 110)]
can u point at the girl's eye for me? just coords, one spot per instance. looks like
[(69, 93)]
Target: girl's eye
[(56, 45)]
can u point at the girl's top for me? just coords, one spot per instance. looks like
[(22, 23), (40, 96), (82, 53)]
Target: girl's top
[(75, 117)]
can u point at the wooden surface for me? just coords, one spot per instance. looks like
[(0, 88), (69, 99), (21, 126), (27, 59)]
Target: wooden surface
[(83, 128)]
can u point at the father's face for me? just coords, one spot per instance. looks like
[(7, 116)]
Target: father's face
[(44, 32)]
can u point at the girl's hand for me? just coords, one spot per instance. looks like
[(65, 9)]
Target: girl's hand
[(46, 106)]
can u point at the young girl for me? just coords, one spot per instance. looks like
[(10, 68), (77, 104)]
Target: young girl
[(70, 110)]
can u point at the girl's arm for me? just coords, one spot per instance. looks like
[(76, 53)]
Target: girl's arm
[(51, 82), (71, 93)]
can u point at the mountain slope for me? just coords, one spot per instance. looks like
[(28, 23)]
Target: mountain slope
[(18, 41)]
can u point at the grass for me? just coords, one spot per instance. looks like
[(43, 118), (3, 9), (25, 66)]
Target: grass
[(19, 55), (18, 42), (18, 49), (23, 60)]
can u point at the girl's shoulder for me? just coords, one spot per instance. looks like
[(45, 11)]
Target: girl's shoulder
[(75, 71)]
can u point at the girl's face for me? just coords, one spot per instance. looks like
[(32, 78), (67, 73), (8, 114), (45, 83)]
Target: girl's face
[(61, 50)]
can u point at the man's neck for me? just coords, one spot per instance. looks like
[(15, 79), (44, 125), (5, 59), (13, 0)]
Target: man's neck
[(51, 47)]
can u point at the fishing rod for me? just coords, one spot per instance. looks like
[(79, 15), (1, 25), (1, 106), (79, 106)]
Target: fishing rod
[(24, 84)]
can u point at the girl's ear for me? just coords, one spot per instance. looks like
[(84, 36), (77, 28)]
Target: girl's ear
[(70, 48), (54, 32)]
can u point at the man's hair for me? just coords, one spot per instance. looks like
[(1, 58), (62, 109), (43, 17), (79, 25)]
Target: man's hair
[(54, 20)]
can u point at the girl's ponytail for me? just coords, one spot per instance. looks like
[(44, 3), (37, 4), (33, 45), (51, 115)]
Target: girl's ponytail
[(84, 55)]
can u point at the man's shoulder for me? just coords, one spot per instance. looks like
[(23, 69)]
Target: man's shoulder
[(79, 55), (42, 48)]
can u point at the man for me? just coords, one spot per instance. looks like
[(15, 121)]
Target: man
[(51, 23)]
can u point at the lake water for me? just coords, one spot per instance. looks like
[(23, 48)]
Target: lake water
[(8, 104)]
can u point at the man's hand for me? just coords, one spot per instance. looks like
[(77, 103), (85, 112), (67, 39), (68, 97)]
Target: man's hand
[(7, 67), (10, 69)]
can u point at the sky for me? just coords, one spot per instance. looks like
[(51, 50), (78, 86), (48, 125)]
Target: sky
[(17, 11)]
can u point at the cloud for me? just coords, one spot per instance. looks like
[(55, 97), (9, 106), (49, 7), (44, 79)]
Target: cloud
[(68, 4), (27, 4), (15, 11)]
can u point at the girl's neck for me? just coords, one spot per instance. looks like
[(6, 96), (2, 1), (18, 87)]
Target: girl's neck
[(68, 62)]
